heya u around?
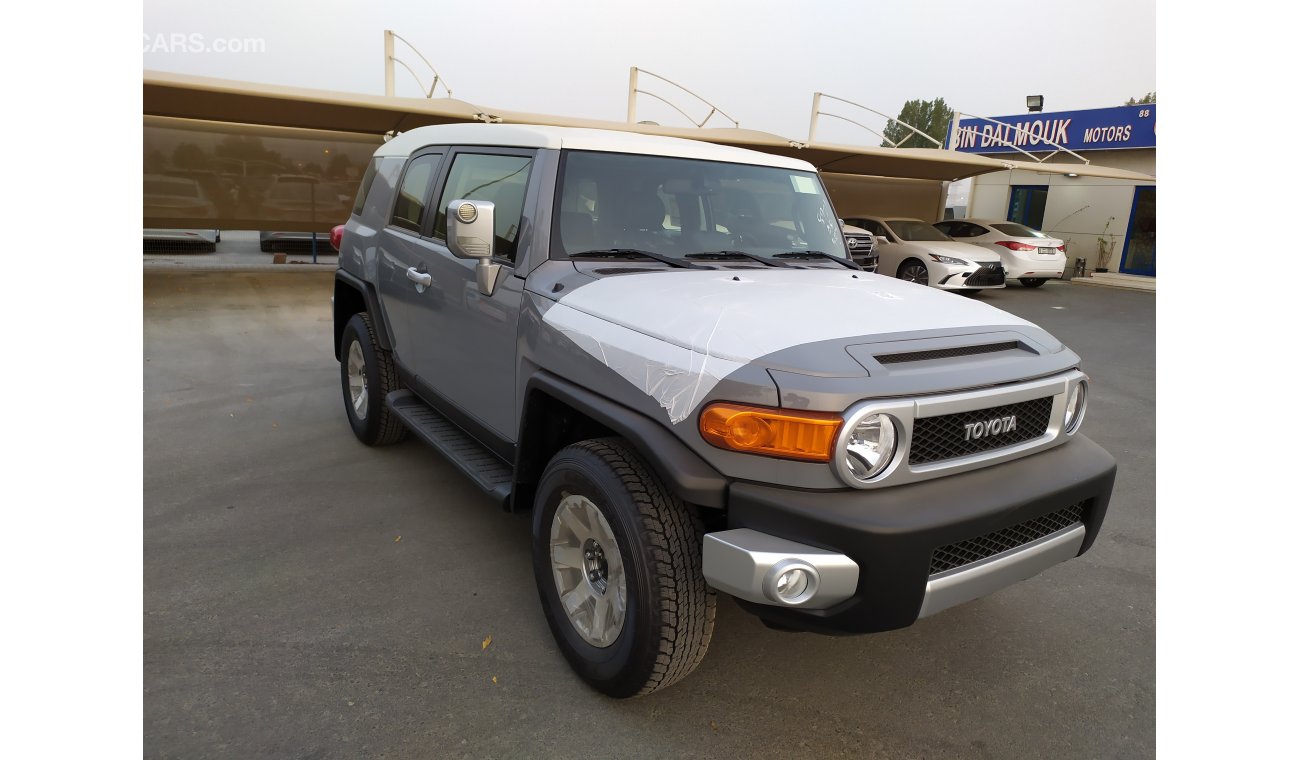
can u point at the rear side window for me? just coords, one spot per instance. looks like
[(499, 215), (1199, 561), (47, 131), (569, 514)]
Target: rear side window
[(409, 210), (367, 180), (502, 180)]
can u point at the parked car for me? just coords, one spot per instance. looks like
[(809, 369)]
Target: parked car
[(689, 410), (182, 198), (862, 247), (302, 198), (913, 250), (1027, 254)]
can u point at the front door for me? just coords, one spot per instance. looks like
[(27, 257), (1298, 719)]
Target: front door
[(1140, 242), (465, 343)]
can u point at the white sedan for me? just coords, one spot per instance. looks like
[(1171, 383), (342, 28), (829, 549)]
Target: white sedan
[(1027, 254), (913, 250)]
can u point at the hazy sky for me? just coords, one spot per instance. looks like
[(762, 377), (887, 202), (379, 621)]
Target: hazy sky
[(759, 61)]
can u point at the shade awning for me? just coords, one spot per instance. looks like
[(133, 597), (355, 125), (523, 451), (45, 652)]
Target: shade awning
[(205, 98)]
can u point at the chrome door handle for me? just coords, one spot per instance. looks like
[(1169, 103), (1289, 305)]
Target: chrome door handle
[(421, 279)]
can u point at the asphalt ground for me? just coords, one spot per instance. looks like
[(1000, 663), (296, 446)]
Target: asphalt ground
[(308, 597)]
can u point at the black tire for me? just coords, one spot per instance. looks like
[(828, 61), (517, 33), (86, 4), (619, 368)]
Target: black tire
[(914, 270), (669, 614), (1032, 282), (266, 247), (374, 424)]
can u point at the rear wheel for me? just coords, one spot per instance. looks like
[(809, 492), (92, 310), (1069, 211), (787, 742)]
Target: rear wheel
[(368, 375), (914, 270), (618, 565), (1032, 282)]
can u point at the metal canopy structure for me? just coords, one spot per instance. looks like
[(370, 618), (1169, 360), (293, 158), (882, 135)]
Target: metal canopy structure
[(222, 100), (233, 139)]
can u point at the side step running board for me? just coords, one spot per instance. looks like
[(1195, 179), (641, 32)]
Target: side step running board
[(468, 455)]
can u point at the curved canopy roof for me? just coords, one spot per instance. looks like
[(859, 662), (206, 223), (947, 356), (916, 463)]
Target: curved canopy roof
[(222, 100)]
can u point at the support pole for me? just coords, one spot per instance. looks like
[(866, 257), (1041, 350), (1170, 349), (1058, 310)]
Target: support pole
[(812, 121), (631, 96), (388, 62)]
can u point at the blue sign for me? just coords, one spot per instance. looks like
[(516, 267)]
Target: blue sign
[(1094, 129)]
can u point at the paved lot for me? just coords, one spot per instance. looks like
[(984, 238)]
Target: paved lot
[(238, 250), (308, 597)]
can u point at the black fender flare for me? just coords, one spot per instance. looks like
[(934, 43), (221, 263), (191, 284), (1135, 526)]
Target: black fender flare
[(684, 471), (370, 297)]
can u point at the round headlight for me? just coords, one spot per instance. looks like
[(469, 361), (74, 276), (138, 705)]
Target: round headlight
[(1075, 408), (870, 446)]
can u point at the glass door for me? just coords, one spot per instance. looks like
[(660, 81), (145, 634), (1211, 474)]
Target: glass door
[(1140, 242), (1028, 202)]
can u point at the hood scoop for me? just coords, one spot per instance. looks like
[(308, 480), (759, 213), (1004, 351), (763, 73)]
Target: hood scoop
[(947, 353)]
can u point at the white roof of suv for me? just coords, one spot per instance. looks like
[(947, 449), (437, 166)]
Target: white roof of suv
[(573, 138)]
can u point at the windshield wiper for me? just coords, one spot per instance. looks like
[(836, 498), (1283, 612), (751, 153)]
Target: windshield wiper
[(629, 253), (851, 264), (734, 255)]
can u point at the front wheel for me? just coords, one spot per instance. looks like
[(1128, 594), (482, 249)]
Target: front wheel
[(914, 271), (618, 565), (1032, 282)]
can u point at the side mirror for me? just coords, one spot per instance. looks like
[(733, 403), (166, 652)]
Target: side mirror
[(470, 229), (470, 225)]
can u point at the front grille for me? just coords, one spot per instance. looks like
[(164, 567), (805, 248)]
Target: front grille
[(988, 275), (935, 439), (946, 353), (972, 550)]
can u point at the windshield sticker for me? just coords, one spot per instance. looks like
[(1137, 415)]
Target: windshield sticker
[(803, 184)]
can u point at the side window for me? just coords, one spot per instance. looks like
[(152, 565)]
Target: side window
[(502, 180), (947, 228), (408, 211), (367, 180)]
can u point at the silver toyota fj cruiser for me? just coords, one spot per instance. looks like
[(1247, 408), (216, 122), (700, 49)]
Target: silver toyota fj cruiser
[(644, 341)]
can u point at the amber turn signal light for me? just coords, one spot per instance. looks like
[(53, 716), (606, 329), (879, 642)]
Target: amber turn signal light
[(808, 436)]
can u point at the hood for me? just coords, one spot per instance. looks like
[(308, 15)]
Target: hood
[(677, 333), (959, 250)]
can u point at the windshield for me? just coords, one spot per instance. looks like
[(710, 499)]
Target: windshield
[(1017, 230), (912, 230), (677, 207)]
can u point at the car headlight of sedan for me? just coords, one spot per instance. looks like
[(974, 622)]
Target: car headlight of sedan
[(949, 260), (866, 448)]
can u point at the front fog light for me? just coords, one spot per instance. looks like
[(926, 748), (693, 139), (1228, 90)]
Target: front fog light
[(1075, 408), (791, 582), (870, 446)]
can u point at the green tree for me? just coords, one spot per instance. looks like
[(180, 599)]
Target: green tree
[(1150, 97), (929, 116)]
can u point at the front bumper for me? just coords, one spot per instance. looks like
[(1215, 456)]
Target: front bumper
[(979, 275), (890, 534)]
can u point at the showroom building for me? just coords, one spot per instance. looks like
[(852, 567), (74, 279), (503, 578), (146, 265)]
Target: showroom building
[(1110, 223)]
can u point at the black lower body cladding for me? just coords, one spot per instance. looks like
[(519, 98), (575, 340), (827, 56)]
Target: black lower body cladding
[(892, 532)]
